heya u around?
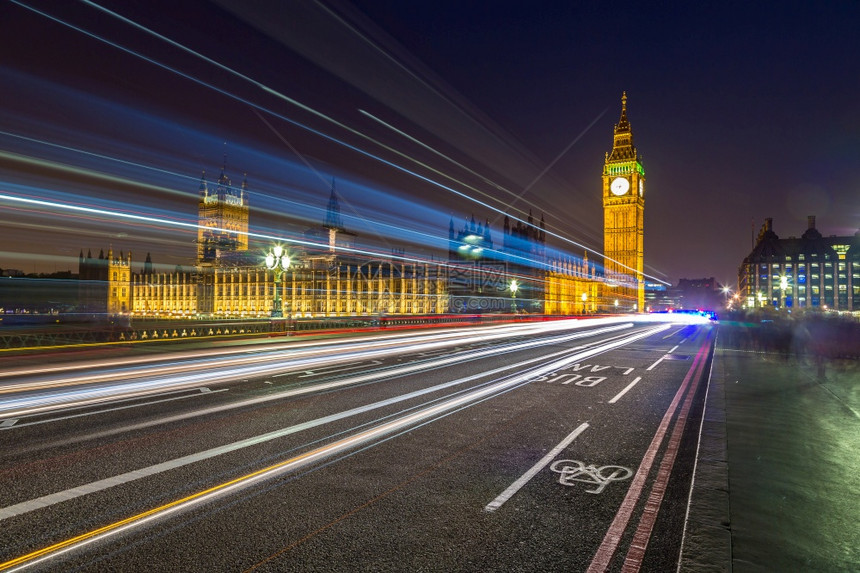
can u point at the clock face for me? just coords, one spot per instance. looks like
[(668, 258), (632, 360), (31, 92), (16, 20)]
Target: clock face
[(641, 188), (619, 186)]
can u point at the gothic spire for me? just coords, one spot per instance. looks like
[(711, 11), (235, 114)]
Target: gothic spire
[(222, 179), (623, 123), (333, 219), (622, 141)]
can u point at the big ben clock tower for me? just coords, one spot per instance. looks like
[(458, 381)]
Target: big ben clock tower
[(623, 217)]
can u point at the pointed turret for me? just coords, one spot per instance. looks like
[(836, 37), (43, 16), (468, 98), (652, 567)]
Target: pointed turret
[(222, 179), (622, 141), (333, 219), (203, 188)]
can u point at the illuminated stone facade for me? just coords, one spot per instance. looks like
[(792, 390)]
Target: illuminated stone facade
[(230, 282), (571, 287), (812, 271), (313, 287), (222, 218), (103, 283), (624, 218)]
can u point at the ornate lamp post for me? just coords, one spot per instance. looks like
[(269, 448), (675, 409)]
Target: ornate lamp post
[(278, 261), (584, 298), (514, 288)]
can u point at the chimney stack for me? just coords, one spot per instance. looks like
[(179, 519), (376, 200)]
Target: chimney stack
[(811, 221), (768, 224)]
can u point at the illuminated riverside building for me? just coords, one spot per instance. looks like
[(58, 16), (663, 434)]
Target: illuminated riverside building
[(481, 276), (812, 271), (229, 281), (624, 218)]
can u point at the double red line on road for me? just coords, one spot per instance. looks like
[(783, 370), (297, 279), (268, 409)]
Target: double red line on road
[(607, 549)]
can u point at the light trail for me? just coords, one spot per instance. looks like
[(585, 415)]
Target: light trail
[(302, 126), (78, 491), (291, 465), (153, 380)]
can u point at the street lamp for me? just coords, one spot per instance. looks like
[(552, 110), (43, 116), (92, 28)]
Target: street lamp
[(584, 298), (726, 292), (514, 288), (278, 261), (783, 285)]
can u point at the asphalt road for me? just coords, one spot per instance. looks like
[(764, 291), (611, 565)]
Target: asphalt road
[(517, 448)]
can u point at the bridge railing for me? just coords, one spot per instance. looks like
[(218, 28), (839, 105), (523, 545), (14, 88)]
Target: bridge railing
[(59, 334)]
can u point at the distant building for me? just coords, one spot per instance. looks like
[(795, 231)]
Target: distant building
[(516, 276), (479, 276), (698, 294), (812, 271), (659, 297), (524, 246)]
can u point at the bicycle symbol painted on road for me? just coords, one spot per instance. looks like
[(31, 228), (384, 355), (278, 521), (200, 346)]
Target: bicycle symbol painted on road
[(576, 471)]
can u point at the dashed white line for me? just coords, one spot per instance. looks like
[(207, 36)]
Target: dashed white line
[(623, 392), (661, 359)]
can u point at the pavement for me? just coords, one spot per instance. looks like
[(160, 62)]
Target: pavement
[(777, 481)]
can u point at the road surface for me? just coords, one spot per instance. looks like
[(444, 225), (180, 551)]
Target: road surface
[(557, 446)]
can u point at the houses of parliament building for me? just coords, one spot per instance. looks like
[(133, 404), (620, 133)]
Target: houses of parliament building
[(326, 278)]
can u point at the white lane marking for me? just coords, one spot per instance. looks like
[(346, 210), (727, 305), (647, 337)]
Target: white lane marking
[(627, 371), (8, 423), (674, 333), (44, 501), (623, 392), (673, 349), (661, 359), (524, 479), (326, 371), (94, 412)]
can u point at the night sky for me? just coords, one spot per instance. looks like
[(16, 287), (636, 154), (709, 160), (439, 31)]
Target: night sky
[(424, 110)]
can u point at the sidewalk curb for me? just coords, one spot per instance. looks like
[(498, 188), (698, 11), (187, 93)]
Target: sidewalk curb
[(707, 540)]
